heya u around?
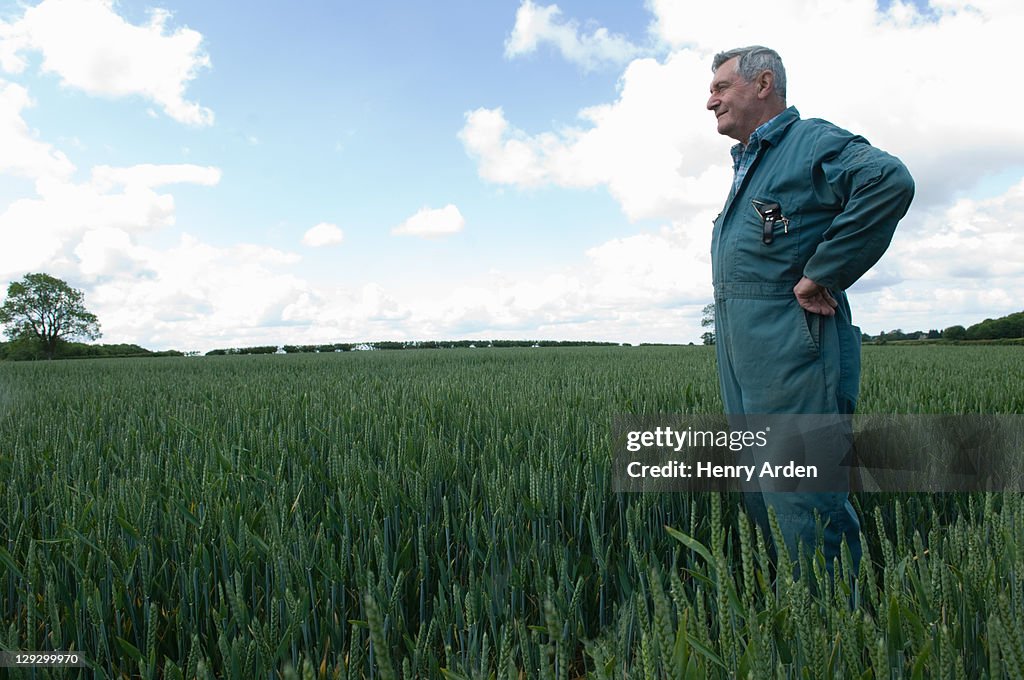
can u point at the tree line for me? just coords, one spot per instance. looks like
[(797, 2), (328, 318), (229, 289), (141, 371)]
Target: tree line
[(1006, 327), (42, 316), (407, 344), (27, 350)]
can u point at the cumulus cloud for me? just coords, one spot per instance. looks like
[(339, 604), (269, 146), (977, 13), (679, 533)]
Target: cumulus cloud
[(649, 147), (45, 227), (107, 251), (64, 217), (539, 24), (197, 295), (964, 263), (148, 175), (627, 289), (648, 286), (192, 293), (651, 286), (432, 222), (652, 145), (890, 76), (23, 154), (653, 270), (93, 49), (972, 239), (905, 72), (186, 295), (323, 234)]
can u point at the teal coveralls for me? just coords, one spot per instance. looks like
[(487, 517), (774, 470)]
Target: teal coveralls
[(841, 199)]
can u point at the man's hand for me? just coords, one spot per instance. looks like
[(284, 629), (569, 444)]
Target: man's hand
[(814, 298)]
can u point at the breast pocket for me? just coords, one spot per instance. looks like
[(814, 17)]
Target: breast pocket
[(766, 245)]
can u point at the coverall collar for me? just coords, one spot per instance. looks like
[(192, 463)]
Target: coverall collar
[(780, 124), (776, 130)]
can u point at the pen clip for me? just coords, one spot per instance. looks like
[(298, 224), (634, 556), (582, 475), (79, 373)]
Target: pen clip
[(770, 213)]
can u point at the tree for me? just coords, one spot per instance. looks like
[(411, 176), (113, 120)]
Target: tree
[(708, 319), (47, 310), (957, 332)]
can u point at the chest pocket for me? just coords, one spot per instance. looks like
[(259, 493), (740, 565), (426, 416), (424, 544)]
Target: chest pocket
[(772, 220), (765, 246)]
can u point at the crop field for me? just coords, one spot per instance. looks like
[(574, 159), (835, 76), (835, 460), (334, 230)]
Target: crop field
[(449, 514)]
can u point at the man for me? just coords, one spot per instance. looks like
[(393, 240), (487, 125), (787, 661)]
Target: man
[(812, 208)]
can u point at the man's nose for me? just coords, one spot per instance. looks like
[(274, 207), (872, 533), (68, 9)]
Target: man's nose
[(713, 102)]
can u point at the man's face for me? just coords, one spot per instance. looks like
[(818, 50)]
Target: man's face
[(735, 102)]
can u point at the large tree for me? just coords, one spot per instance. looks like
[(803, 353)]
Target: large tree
[(48, 310), (708, 320)]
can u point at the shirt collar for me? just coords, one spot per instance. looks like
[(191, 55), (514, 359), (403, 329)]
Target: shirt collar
[(770, 130)]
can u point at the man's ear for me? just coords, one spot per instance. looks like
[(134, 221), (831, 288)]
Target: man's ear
[(765, 84)]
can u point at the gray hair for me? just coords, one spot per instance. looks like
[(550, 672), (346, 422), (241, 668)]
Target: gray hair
[(752, 62)]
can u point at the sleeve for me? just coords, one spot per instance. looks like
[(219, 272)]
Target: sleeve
[(874, 191)]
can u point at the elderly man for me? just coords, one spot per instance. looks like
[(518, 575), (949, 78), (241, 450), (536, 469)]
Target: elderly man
[(812, 208)]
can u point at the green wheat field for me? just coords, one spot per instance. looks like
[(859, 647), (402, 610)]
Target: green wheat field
[(449, 514)]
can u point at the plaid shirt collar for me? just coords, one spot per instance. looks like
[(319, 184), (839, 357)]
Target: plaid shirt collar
[(743, 156)]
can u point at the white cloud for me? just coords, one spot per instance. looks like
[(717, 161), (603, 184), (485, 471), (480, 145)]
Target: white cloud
[(323, 234), (106, 251), (892, 77), (538, 24), (649, 147), (972, 239), (653, 270), (649, 286), (23, 154), (432, 222), (46, 227), (505, 156), (93, 49), (148, 176), (194, 295), (960, 265), (652, 146), (895, 77), (191, 294)]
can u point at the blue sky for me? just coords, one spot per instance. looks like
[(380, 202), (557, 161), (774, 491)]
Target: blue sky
[(217, 174)]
